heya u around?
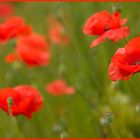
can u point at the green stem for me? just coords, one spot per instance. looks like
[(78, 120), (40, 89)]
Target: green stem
[(114, 131), (14, 125)]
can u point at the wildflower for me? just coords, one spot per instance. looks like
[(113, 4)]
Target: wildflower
[(13, 27), (25, 100), (33, 50), (126, 61), (106, 26), (59, 87)]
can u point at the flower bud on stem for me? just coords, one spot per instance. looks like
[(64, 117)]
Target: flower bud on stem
[(14, 127), (64, 135), (110, 118), (117, 8)]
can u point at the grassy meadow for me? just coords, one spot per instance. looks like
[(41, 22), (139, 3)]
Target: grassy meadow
[(85, 113)]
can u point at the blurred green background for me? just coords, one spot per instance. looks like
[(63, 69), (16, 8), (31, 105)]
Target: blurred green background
[(84, 114)]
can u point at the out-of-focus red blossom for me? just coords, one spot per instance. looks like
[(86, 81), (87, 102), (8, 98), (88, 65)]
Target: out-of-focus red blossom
[(106, 26), (6, 10), (59, 87), (26, 100), (57, 32), (13, 27), (35, 40), (33, 50), (11, 57), (126, 61)]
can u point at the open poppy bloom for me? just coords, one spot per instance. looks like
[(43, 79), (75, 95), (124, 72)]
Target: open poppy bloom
[(25, 100), (33, 50), (106, 26), (13, 27), (59, 87), (57, 33), (126, 61), (6, 10)]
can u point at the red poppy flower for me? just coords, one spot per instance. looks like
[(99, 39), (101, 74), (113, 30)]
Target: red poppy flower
[(13, 27), (11, 57), (106, 26), (33, 50), (126, 61), (26, 100), (57, 32), (59, 87), (34, 40), (6, 10)]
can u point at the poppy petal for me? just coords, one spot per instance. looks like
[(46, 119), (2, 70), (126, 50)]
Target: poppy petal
[(113, 35)]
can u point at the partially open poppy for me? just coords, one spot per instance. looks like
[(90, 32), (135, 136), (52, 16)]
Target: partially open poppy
[(59, 87), (25, 100), (33, 50), (126, 61), (106, 26)]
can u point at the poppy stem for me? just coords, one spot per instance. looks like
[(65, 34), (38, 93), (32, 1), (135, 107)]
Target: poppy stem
[(15, 127), (61, 69), (13, 119), (91, 104), (114, 131)]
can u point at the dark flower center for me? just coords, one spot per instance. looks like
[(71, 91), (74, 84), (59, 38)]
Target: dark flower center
[(107, 28)]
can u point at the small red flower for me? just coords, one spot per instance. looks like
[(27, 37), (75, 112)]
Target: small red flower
[(33, 50), (11, 57), (26, 100), (13, 27), (57, 32), (6, 10), (59, 87), (106, 26), (126, 61)]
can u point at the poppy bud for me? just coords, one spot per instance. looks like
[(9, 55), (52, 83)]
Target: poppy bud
[(10, 101), (109, 117), (57, 128), (103, 122), (117, 8), (63, 122), (64, 135)]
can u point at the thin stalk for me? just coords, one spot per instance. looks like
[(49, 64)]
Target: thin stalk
[(114, 131), (14, 124)]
